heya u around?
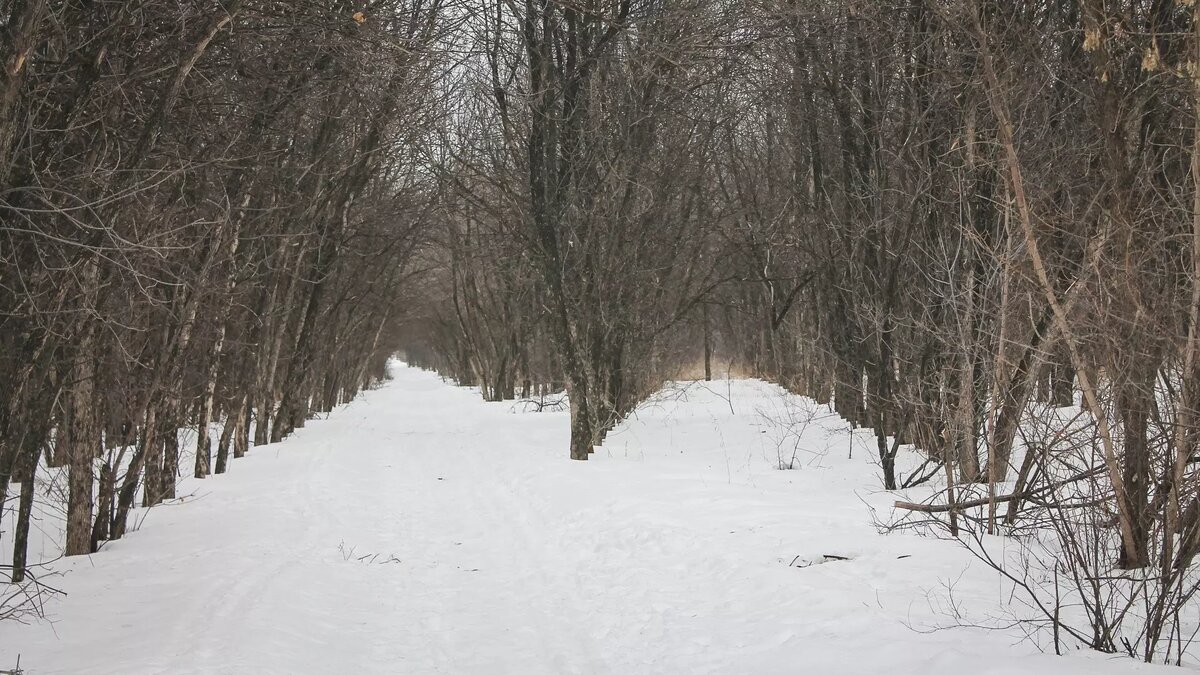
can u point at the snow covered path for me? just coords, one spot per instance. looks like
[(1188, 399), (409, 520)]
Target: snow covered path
[(420, 530)]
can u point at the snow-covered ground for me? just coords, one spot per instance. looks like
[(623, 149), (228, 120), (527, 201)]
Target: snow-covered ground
[(421, 530)]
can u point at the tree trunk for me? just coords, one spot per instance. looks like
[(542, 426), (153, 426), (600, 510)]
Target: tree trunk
[(707, 346), (241, 429), (847, 395), (1134, 408), (80, 444), (203, 437), (21, 534), (1062, 382), (227, 432), (170, 463), (152, 460), (104, 506), (886, 459), (966, 447), (582, 432), (18, 39)]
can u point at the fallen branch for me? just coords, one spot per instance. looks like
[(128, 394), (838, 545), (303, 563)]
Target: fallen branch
[(943, 508), (1031, 495)]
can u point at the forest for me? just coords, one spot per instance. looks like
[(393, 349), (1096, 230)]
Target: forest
[(972, 227)]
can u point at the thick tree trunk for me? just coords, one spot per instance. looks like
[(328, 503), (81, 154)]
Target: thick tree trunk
[(966, 446), (582, 432), (81, 443), (18, 39), (203, 464), (1133, 403)]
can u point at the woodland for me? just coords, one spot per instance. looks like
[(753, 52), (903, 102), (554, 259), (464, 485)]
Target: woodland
[(944, 218)]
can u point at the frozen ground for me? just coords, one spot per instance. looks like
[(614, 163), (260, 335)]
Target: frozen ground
[(420, 530)]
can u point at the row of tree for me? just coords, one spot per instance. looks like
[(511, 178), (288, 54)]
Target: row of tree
[(208, 212), (942, 216)]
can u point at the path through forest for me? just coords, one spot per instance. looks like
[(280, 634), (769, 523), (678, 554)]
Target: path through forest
[(420, 530)]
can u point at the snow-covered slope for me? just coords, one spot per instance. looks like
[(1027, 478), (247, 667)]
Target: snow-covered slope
[(420, 530)]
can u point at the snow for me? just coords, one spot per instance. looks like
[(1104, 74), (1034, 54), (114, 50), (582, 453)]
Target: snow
[(421, 530)]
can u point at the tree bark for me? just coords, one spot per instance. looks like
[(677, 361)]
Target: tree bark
[(81, 442), (21, 533)]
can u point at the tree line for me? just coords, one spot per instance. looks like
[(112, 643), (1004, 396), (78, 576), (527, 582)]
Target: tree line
[(946, 218), (207, 212)]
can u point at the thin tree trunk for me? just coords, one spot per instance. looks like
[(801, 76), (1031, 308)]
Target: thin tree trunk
[(203, 436), (21, 533), (707, 346), (241, 429), (104, 506), (170, 463), (133, 473), (227, 432), (152, 451), (1027, 465)]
